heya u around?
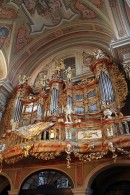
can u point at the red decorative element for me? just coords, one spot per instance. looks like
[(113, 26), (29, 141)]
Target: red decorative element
[(21, 39), (17, 179), (85, 12), (6, 13), (11, 152), (79, 175), (47, 147), (97, 2)]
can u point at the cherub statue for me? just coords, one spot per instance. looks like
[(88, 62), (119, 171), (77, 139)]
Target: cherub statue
[(107, 113), (69, 73), (68, 112), (99, 54)]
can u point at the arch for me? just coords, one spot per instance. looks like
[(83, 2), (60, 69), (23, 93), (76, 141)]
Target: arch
[(100, 168), (46, 179), (6, 181), (40, 169), (49, 44), (3, 66)]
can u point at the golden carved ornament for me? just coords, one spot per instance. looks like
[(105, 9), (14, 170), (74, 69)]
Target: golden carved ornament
[(26, 148), (47, 102), (14, 159), (46, 155), (8, 113), (120, 86), (62, 99)]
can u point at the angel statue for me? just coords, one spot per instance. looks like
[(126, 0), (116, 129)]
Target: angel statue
[(107, 113), (99, 54), (69, 73), (59, 66), (23, 79), (68, 112)]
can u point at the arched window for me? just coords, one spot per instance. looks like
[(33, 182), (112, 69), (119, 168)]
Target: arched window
[(46, 181)]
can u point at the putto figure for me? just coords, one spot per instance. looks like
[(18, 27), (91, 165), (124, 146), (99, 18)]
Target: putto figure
[(69, 73)]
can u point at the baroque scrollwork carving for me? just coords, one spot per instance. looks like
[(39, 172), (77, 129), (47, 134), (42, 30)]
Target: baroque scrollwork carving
[(120, 86), (7, 114), (46, 155), (14, 159)]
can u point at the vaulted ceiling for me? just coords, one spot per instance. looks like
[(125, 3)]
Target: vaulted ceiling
[(33, 30)]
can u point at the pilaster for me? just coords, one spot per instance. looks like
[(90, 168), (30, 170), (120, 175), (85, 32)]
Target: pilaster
[(5, 92), (120, 50)]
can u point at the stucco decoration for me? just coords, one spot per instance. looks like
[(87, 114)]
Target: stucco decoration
[(44, 14)]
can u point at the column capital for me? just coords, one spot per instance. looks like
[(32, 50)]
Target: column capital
[(82, 191), (13, 192), (78, 191)]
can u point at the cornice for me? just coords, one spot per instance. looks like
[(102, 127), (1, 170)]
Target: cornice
[(119, 48), (120, 43)]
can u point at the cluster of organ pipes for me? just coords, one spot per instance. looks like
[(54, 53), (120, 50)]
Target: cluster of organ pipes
[(106, 89)]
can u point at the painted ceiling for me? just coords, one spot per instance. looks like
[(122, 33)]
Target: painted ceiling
[(32, 30)]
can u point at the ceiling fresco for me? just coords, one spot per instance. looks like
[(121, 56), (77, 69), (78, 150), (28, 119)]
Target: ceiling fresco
[(31, 28), (47, 13)]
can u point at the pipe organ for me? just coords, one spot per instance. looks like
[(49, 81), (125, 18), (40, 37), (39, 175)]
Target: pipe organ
[(82, 117), (86, 98)]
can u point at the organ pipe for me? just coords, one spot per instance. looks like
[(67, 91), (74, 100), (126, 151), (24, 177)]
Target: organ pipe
[(18, 110), (106, 88), (54, 100)]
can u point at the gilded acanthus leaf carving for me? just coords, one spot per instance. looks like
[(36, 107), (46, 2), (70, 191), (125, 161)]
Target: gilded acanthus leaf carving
[(7, 114), (120, 86)]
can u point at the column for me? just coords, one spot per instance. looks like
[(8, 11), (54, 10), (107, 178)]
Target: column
[(118, 15), (13, 192)]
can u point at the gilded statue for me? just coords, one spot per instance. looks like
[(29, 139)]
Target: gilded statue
[(59, 66)]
